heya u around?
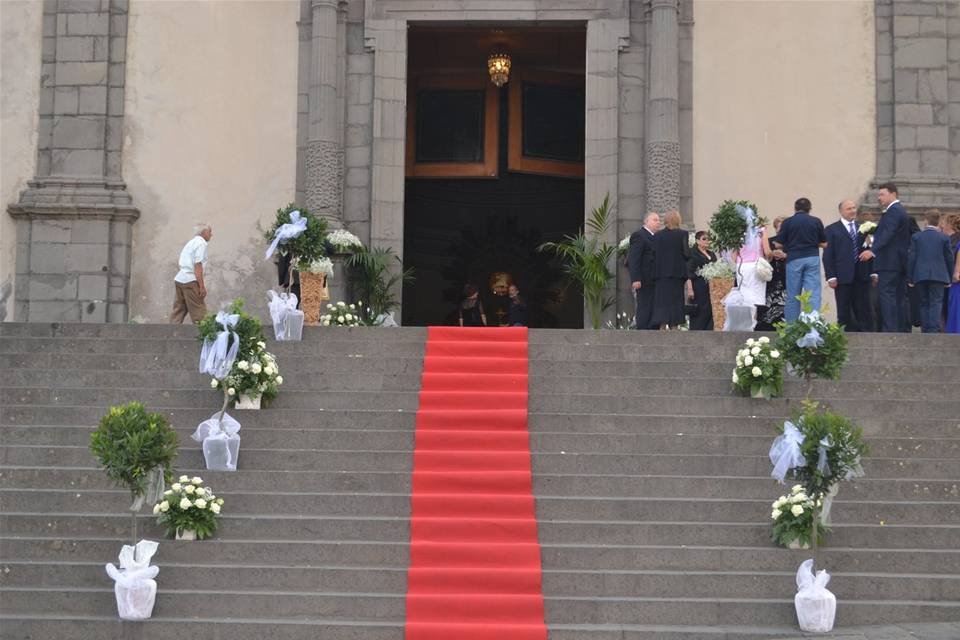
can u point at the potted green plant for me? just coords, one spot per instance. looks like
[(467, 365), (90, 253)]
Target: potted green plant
[(188, 509), (136, 449), (379, 273), (301, 239), (759, 369), (793, 521), (812, 347)]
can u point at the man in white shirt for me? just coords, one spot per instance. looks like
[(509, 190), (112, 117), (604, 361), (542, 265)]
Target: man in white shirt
[(190, 288)]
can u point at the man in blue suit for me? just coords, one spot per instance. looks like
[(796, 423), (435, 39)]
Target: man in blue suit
[(891, 242), (929, 270), (640, 261), (849, 278)]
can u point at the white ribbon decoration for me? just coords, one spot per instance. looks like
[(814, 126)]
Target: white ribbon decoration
[(280, 305), (217, 428), (810, 318), (153, 492), (785, 452), (811, 340), (807, 580), (822, 465), (132, 578), (217, 356), (288, 231)]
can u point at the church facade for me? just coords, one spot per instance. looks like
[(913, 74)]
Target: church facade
[(125, 122)]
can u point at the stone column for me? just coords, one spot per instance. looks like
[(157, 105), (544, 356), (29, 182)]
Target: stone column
[(663, 137), (75, 218), (324, 161), (918, 90)]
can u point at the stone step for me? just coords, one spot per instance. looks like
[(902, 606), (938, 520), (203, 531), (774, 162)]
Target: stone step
[(568, 463), (758, 487), (624, 583), (43, 524), (402, 439), (548, 507)]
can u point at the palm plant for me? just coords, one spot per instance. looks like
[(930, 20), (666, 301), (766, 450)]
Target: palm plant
[(587, 261), (378, 280)]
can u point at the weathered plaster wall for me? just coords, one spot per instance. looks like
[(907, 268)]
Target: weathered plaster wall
[(21, 24), (784, 103), (209, 134)]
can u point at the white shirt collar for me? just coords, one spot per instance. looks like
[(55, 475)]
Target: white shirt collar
[(890, 205), (649, 230)]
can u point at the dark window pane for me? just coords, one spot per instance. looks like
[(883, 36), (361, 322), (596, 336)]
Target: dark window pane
[(450, 126), (553, 122)]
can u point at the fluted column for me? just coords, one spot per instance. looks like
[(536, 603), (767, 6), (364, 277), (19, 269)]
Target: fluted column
[(663, 137), (324, 161)]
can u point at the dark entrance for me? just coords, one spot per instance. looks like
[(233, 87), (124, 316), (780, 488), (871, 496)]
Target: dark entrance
[(493, 173)]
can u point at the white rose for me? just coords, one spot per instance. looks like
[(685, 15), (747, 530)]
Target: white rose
[(214, 383), (775, 514), (353, 306), (779, 502), (756, 372), (255, 367), (262, 344), (764, 339), (243, 365), (197, 480), (800, 497), (348, 317), (185, 504), (796, 510), (342, 304), (175, 486), (755, 351), (231, 391), (201, 503), (797, 488), (774, 354), (168, 492), (184, 479), (164, 506), (748, 361), (735, 378), (739, 361), (156, 509), (743, 353), (189, 488), (201, 491), (326, 323), (215, 507), (279, 379), (219, 500), (751, 341)]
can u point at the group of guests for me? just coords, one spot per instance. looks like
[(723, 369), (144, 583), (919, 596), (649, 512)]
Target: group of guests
[(888, 278), (470, 312)]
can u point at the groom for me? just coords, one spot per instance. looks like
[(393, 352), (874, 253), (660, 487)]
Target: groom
[(891, 242)]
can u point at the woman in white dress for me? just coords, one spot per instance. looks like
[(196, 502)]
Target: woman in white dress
[(755, 246)]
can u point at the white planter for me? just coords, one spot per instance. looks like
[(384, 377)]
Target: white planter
[(187, 534), (135, 601), (246, 402)]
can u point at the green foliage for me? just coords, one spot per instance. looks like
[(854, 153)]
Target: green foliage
[(844, 448), (130, 442), (380, 272), (728, 229), (309, 245), (587, 261), (759, 369), (824, 361), (187, 505), (789, 526)]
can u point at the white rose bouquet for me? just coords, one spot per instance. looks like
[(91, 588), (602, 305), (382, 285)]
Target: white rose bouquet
[(624, 245), (256, 375), (759, 369), (341, 314), (867, 229), (793, 520), (344, 241), (188, 505)]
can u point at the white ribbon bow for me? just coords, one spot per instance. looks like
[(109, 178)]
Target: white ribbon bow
[(785, 451), (153, 492), (280, 305), (288, 231), (807, 580), (217, 356), (809, 318), (219, 428), (134, 563), (811, 340), (822, 465)]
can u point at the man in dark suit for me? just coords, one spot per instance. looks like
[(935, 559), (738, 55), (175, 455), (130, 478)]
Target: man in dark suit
[(849, 278), (640, 261), (929, 270), (891, 241)]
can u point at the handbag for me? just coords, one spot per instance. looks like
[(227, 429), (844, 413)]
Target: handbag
[(764, 270)]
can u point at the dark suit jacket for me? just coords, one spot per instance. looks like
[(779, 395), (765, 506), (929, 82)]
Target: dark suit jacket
[(838, 257), (671, 249), (891, 240), (930, 257), (640, 259)]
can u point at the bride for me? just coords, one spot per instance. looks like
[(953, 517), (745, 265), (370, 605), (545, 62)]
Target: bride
[(752, 283)]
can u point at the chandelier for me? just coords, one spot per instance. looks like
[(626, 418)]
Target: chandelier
[(498, 65)]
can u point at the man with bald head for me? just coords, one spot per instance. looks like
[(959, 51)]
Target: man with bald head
[(848, 276), (640, 261)]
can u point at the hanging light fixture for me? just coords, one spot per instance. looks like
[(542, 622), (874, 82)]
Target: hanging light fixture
[(498, 64)]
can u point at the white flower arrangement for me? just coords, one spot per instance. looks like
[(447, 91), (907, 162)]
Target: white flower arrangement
[(867, 227), (717, 270), (188, 505), (320, 266), (622, 323), (792, 517), (257, 376), (341, 314), (343, 240), (624, 244), (759, 369)]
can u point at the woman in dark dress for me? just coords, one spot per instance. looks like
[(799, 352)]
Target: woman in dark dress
[(471, 309), (772, 313), (701, 256), (671, 250)]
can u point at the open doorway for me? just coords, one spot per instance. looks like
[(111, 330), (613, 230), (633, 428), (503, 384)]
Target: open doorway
[(492, 172)]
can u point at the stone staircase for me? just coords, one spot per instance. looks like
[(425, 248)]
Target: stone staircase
[(652, 486)]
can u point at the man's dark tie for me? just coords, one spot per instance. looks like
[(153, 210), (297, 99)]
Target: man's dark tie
[(852, 230)]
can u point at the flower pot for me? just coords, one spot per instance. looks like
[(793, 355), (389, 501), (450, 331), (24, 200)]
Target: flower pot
[(187, 534), (246, 402), (796, 544), (313, 291), (719, 288)]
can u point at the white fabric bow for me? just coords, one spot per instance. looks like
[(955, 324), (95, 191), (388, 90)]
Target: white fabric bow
[(280, 305), (785, 451), (219, 428), (153, 492), (807, 580), (217, 356), (822, 465), (135, 563), (811, 340), (288, 231), (813, 316)]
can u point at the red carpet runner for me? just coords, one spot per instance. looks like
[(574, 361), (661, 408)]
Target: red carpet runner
[(474, 556)]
